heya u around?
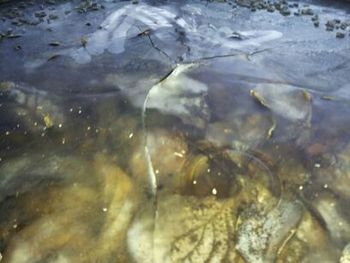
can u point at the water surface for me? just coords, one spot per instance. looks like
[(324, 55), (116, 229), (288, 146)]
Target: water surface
[(191, 131)]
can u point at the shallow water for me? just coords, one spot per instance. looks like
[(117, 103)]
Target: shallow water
[(173, 132)]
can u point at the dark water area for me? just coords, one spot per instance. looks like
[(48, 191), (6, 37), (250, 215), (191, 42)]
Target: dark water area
[(174, 131)]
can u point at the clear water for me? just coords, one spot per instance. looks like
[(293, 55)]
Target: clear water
[(173, 132)]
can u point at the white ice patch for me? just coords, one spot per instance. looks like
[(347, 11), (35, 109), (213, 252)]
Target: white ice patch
[(180, 95), (115, 29), (224, 36), (342, 93), (127, 22), (285, 100)]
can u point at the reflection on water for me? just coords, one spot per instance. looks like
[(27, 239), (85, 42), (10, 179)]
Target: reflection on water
[(224, 156)]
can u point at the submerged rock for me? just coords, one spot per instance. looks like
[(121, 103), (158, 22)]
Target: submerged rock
[(168, 152), (345, 258), (335, 217), (201, 224), (261, 235), (64, 227), (335, 175)]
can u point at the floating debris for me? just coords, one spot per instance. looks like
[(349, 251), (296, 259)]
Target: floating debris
[(55, 56), (55, 44), (327, 98), (146, 32), (9, 35), (237, 35)]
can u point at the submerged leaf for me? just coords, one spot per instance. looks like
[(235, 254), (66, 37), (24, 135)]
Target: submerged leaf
[(259, 98), (272, 129), (327, 98), (288, 101), (48, 121), (53, 57), (205, 233)]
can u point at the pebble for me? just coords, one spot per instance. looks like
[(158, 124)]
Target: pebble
[(271, 9), (315, 18), (40, 14), (285, 12), (343, 25), (284, 9), (53, 17), (330, 25), (340, 35), (307, 11)]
